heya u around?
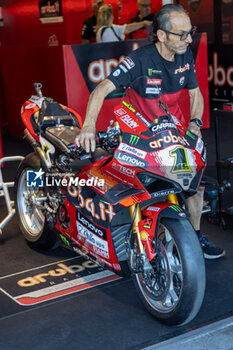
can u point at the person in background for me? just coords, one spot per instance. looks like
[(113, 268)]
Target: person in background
[(107, 31), (194, 4), (144, 13), (201, 12), (89, 26), (162, 60)]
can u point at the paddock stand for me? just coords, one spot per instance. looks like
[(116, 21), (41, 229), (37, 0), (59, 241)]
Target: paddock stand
[(4, 191), (213, 193)]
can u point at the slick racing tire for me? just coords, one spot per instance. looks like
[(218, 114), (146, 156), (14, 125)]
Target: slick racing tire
[(173, 288), (30, 215)]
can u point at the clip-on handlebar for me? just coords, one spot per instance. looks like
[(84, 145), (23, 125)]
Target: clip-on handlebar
[(104, 139)]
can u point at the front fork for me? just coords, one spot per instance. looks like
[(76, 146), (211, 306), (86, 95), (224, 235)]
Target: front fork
[(136, 217), (172, 198)]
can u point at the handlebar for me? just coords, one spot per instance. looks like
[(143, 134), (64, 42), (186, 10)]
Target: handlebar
[(107, 139)]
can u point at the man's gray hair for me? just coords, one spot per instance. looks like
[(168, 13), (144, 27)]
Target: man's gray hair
[(162, 18)]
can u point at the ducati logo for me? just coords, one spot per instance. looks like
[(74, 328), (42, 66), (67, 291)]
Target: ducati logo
[(181, 80)]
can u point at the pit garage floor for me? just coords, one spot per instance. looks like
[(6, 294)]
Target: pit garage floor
[(98, 311)]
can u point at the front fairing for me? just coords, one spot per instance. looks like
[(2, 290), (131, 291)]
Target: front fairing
[(158, 143)]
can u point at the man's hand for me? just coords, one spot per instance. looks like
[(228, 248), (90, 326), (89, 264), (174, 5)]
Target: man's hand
[(147, 23), (86, 138), (194, 129)]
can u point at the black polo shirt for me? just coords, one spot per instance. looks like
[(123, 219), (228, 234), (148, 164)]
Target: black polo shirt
[(89, 29), (160, 76)]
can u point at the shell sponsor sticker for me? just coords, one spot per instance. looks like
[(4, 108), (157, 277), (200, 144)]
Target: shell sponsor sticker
[(143, 235)]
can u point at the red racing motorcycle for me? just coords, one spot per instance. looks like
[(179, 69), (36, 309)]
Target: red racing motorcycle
[(123, 206)]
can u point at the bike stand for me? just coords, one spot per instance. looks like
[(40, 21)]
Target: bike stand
[(224, 160), (213, 191), (4, 192)]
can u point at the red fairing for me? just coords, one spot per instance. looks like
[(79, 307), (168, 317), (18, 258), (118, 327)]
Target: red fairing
[(32, 106), (75, 113), (175, 154), (128, 121), (106, 254), (27, 111), (154, 209), (147, 234)]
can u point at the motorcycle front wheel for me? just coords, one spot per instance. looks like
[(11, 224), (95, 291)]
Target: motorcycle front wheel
[(30, 213), (173, 289)]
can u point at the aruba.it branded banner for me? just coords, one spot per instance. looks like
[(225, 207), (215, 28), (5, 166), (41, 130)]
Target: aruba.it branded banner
[(220, 73), (50, 11), (87, 65)]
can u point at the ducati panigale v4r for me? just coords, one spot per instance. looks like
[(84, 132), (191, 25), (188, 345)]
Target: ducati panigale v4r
[(118, 206)]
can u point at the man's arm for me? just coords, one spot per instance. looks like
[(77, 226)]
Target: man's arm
[(196, 109), (86, 138), (132, 27), (86, 33)]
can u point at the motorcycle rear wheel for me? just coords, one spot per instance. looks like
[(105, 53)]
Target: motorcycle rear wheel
[(174, 292), (31, 219)]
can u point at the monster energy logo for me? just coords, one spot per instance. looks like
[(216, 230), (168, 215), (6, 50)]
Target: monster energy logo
[(176, 208), (133, 140), (149, 71), (153, 71), (191, 135)]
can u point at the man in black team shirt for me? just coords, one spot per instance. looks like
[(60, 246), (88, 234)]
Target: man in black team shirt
[(170, 61), (144, 7)]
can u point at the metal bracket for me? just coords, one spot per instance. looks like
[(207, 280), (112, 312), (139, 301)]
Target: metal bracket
[(4, 192)]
